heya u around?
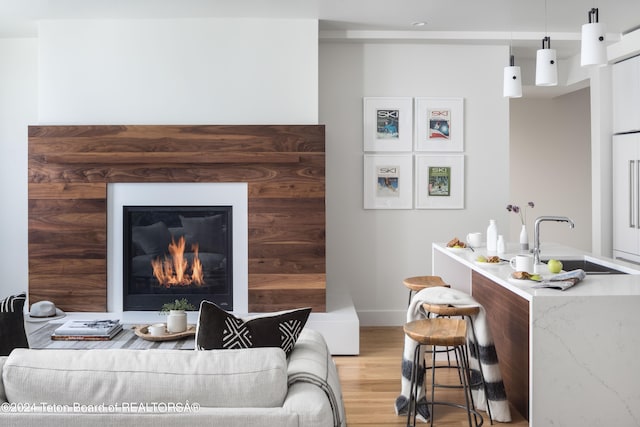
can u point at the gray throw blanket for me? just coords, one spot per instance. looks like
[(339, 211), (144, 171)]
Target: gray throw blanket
[(483, 351), (310, 362)]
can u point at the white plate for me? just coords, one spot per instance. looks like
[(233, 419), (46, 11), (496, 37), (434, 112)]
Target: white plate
[(523, 281), (457, 249), (528, 281), (490, 264)]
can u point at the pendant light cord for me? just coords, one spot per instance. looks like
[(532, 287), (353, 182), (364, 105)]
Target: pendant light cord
[(545, 18), (510, 35)]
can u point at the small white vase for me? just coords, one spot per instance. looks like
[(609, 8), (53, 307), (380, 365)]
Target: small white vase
[(524, 239), (501, 245), (176, 321)]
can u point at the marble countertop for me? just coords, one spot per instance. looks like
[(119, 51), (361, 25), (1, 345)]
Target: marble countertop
[(592, 285)]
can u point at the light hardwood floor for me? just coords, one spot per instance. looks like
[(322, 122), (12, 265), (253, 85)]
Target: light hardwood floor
[(371, 383)]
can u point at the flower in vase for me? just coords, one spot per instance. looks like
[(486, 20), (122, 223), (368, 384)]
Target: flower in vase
[(522, 212)]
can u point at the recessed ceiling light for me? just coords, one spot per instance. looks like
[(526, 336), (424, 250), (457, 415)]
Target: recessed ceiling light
[(419, 24)]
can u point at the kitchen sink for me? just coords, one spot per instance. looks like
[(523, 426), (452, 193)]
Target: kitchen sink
[(589, 267)]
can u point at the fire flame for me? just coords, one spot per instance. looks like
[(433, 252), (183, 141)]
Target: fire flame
[(173, 270)]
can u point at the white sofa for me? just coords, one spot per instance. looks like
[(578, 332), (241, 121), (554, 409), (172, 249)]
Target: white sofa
[(250, 387)]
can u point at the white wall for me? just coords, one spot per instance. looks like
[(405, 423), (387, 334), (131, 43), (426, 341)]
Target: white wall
[(18, 108), (550, 161), (182, 71), (371, 251), (209, 71)]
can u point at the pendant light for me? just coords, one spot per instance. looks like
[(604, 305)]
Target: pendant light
[(512, 86), (593, 48), (546, 60), (546, 64), (511, 79)]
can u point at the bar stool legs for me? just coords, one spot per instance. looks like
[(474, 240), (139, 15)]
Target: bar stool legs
[(466, 387), (440, 332), (464, 313), (415, 386)]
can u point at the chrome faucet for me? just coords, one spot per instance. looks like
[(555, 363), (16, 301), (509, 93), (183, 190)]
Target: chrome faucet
[(536, 233)]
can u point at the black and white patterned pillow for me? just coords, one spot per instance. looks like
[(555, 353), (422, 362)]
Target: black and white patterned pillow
[(219, 329), (12, 333)]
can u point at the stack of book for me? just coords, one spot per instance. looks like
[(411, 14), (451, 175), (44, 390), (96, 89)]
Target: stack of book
[(90, 330)]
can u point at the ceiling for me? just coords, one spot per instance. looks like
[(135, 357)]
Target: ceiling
[(523, 22)]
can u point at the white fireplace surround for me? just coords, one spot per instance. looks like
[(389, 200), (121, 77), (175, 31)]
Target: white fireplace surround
[(177, 194)]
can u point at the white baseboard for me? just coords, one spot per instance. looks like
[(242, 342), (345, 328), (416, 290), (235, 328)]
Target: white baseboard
[(382, 317)]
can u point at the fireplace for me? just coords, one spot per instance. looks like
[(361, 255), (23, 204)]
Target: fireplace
[(168, 241), (279, 262), (175, 252)]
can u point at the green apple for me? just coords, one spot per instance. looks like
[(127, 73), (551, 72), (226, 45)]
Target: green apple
[(554, 266)]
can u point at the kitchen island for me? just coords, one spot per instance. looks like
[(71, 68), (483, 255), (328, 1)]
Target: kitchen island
[(568, 358)]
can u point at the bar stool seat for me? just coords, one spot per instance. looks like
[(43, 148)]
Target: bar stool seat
[(445, 332), (418, 283), (438, 331), (451, 311)]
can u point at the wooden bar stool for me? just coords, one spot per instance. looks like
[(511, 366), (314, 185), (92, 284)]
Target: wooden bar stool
[(467, 313), (444, 332), (419, 283)]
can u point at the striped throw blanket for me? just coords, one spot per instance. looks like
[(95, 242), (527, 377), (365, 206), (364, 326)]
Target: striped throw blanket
[(483, 351)]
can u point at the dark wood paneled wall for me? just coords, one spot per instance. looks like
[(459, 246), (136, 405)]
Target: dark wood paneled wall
[(508, 318), (70, 167)]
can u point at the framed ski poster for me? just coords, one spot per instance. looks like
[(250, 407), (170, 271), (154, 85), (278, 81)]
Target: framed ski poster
[(388, 124), (388, 181), (439, 124), (439, 181)]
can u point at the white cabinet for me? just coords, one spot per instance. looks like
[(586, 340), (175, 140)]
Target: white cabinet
[(626, 95), (626, 196), (626, 159)]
